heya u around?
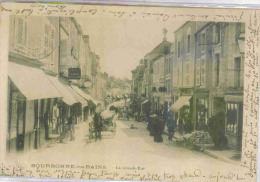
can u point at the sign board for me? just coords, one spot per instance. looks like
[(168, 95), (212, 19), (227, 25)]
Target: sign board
[(74, 73)]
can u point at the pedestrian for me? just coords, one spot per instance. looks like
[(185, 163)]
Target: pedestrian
[(181, 125), (71, 122), (152, 124), (158, 129), (98, 124), (170, 125)]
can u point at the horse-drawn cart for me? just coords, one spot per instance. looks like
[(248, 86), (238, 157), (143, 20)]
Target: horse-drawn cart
[(108, 121)]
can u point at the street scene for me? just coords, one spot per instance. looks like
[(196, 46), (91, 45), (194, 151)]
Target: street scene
[(110, 91)]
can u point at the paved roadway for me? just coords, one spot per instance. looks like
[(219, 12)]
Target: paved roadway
[(128, 147)]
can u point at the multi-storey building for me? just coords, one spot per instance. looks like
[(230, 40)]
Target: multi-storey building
[(208, 75), (168, 75), (42, 93), (33, 47), (184, 71)]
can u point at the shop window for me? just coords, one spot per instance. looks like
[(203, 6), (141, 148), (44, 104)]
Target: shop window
[(232, 118), (202, 114)]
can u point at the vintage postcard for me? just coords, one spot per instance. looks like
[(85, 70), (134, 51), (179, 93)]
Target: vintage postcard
[(133, 93)]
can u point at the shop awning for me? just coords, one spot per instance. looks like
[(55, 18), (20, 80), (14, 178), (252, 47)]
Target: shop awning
[(81, 93), (33, 83), (182, 101), (68, 98), (83, 101), (117, 104), (84, 95), (146, 101)]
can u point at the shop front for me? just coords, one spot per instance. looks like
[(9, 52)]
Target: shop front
[(182, 108), (234, 121), (202, 111), (29, 107)]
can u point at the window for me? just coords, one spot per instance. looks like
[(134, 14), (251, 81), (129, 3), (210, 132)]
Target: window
[(237, 70), (187, 74), (178, 76), (238, 31), (203, 72), (179, 47), (217, 58), (21, 31), (169, 66), (217, 33), (198, 72), (203, 42), (232, 118), (188, 44)]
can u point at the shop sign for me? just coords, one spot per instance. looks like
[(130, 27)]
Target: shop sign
[(74, 73)]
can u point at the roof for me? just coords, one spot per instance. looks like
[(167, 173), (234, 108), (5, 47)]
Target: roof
[(159, 50)]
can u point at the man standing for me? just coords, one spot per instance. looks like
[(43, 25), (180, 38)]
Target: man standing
[(170, 124), (98, 125)]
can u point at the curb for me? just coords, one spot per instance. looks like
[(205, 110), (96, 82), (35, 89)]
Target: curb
[(211, 154)]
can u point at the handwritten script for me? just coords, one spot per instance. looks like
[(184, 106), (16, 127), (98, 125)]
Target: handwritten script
[(251, 89)]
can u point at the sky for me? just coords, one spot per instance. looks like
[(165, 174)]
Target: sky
[(121, 43)]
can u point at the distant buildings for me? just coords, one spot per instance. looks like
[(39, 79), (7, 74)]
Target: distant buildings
[(200, 77)]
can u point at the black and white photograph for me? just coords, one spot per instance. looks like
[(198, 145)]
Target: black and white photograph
[(153, 99)]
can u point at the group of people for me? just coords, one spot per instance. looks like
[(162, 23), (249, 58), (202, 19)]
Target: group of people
[(156, 125)]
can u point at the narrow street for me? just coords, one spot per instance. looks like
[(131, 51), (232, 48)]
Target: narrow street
[(131, 147)]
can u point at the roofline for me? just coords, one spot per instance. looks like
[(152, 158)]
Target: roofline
[(204, 26), (181, 26)]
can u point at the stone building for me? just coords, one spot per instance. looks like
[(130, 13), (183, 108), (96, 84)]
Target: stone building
[(219, 77), (33, 52), (208, 75)]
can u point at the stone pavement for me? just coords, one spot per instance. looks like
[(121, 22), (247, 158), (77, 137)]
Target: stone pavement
[(230, 155)]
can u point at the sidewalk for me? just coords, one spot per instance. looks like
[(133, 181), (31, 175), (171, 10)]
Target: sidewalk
[(230, 156)]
